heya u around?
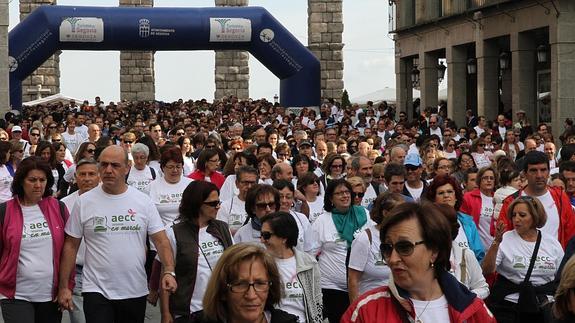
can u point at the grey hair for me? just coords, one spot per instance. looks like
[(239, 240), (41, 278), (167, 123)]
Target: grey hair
[(140, 148), (86, 161)]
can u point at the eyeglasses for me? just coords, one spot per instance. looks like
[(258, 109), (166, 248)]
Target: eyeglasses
[(336, 166), (243, 286), (266, 235), (53, 127), (57, 140), (128, 142), (403, 247), (359, 194), (340, 193), (35, 134), (481, 145), (213, 203), (91, 151), (210, 147), (263, 205), (173, 167)]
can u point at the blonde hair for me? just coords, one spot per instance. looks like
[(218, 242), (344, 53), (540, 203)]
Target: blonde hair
[(566, 286), (356, 181), (227, 271)]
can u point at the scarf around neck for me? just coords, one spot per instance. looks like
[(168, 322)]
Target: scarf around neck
[(347, 224)]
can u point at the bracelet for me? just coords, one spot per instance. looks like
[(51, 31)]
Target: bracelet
[(171, 273)]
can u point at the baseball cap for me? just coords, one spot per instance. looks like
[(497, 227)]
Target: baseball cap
[(305, 143), (413, 159), (520, 111), (16, 128)]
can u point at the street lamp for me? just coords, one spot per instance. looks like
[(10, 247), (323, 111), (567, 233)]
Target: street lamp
[(504, 61), (542, 54), (441, 72), (415, 77), (471, 66), (276, 98)]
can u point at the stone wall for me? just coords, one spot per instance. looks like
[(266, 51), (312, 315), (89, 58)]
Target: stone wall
[(325, 33), (137, 81), (4, 96), (48, 74), (232, 71)]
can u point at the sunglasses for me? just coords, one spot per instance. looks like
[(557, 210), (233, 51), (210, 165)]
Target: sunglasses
[(57, 140), (266, 235), (403, 247), (91, 151), (35, 134), (263, 206), (128, 142), (411, 167), (213, 203), (180, 133), (360, 195)]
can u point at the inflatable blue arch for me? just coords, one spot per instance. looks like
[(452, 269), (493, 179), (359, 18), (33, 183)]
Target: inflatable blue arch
[(52, 28)]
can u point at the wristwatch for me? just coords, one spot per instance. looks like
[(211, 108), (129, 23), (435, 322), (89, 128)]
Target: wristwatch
[(171, 273)]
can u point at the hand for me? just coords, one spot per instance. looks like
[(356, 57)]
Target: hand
[(153, 297), (299, 196), (169, 283), (64, 299), (499, 231), (167, 318)]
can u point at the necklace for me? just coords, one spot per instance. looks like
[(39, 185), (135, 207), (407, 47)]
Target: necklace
[(418, 320)]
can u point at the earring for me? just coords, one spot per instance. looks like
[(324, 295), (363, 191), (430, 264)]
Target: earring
[(431, 264)]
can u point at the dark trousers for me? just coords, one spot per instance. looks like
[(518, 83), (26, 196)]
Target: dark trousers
[(335, 303), (99, 309), (19, 311)]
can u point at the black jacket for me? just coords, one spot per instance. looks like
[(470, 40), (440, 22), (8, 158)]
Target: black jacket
[(278, 316)]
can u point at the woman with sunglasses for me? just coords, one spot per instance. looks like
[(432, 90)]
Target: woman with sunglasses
[(329, 239), (309, 186), (261, 200), (367, 269), (287, 204), (510, 253), (416, 244), (198, 241), (333, 167), (481, 156), (464, 162), (358, 189), (479, 203), (299, 271), (86, 150), (207, 168), (450, 150)]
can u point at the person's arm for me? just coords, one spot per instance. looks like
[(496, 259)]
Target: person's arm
[(67, 265), (489, 262), (477, 283), (353, 277), (165, 307), (160, 240)]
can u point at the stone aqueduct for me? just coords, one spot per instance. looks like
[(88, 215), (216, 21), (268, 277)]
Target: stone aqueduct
[(231, 76)]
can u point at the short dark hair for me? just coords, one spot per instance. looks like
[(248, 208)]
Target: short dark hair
[(307, 179), (567, 152), (205, 155), (258, 190), (327, 203), (435, 230), (441, 180), (329, 159), (535, 157), (567, 165), (302, 158), (393, 169), (43, 145), (171, 154), (193, 198), (284, 226), (280, 184), (5, 148), (468, 172), (245, 170), (506, 176), (264, 145), (29, 164), (250, 158)]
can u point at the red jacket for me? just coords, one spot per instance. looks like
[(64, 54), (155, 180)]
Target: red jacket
[(472, 204), (216, 178), (11, 236), (384, 304), (563, 204)]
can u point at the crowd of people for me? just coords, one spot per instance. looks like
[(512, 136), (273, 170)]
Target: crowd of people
[(244, 211)]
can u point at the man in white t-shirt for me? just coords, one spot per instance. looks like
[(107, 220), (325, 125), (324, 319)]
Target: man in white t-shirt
[(560, 216), (87, 178), (363, 167), (414, 186), (233, 211), (114, 220), (71, 138)]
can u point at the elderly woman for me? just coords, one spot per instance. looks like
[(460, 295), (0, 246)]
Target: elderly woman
[(299, 271), (416, 243), (445, 190), (564, 306), (287, 204), (265, 164), (47, 153), (207, 168), (245, 286), (479, 203), (261, 199), (166, 191), (186, 150), (330, 238), (198, 241), (366, 268), (6, 173), (513, 252), (31, 245), (140, 175)]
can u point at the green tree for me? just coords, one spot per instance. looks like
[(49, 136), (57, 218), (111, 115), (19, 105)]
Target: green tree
[(345, 99)]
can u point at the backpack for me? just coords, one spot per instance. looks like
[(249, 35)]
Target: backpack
[(152, 172)]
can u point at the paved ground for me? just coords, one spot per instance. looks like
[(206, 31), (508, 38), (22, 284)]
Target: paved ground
[(152, 315)]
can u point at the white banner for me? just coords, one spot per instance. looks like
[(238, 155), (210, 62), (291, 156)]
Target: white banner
[(82, 30), (230, 30)]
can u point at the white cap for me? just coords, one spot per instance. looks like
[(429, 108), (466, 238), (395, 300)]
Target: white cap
[(16, 128)]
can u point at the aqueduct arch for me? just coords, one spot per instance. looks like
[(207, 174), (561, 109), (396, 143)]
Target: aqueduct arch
[(231, 73)]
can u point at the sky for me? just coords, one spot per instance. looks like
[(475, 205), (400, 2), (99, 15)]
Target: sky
[(368, 55)]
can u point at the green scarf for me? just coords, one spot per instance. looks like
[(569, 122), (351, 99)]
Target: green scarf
[(347, 224)]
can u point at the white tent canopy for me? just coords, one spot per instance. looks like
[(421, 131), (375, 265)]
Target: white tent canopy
[(56, 98), (388, 94)]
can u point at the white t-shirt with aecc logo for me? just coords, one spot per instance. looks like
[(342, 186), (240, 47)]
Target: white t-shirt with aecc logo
[(140, 179), (485, 217), (35, 274), (167, 197), (293, 298), (233, 212), (114, 228), (5, 184), (315, 208), (461, 239), (514, 256)]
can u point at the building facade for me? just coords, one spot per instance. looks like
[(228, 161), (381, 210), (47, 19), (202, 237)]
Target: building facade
[(501, 56)]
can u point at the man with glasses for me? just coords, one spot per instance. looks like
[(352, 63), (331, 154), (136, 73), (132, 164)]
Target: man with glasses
[(330, 135), (114, 220), (560, 216), (414, 186), (434, 128), (233, 211), (155, 132), (261, 200)]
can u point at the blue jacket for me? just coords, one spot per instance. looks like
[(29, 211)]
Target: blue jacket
[(472, 235)]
